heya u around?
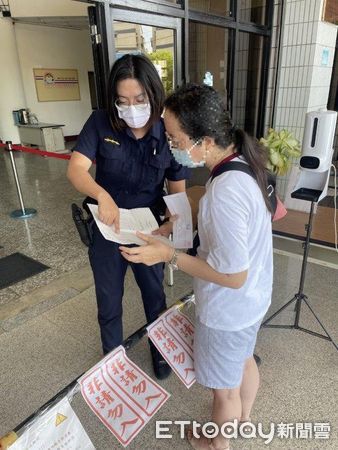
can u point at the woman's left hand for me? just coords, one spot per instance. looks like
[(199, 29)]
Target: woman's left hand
[(152, 253)]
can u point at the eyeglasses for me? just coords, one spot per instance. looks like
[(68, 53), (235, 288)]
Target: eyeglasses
[(173, 144), (124, 107)]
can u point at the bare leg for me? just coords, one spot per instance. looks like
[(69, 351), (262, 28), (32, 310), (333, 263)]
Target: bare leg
[(249, 387), (226, 408), (231, 404)]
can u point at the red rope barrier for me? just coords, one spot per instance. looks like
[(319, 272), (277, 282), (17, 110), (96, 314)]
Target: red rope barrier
[(37, 151)]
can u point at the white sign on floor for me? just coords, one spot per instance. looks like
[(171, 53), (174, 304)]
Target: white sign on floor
[(122, 396), (58, 427), (173, 335)]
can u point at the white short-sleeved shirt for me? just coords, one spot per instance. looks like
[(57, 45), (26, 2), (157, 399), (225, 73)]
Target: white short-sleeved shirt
[(234, 228)]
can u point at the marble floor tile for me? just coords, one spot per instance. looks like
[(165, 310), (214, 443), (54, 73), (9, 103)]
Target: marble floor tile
[(54, 339), (7, 295), (37, 361)]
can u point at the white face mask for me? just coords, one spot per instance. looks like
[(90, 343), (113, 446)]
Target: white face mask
[(134, 116)]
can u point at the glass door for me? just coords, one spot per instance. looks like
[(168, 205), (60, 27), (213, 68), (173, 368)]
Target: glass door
[(157, 37), (115, 32), (158, 44), (208, 56)]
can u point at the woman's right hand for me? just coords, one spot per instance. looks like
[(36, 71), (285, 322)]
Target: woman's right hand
[(109, 212)]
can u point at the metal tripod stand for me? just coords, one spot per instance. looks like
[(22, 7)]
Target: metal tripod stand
[(310, 195)]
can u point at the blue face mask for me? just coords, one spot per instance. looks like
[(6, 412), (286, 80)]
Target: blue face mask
[(182, 156)]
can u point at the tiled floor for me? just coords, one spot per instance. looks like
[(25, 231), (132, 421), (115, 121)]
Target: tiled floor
[(49, 334)]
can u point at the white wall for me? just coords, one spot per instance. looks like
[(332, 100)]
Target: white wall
[(298, 50), (304, 80), (304, 76), (35, 8), (54, 48), (322, 69), (11, 88)]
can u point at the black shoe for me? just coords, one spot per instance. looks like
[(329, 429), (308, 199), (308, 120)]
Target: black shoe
[(161, 368), (258, 360)]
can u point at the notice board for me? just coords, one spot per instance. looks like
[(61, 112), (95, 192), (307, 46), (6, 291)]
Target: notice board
[(54, 85)]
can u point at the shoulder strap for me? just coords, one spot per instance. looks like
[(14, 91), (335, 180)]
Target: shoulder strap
[(242, 167), (233, 165)]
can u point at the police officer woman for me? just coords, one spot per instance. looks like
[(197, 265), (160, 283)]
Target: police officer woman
[(133, 160)]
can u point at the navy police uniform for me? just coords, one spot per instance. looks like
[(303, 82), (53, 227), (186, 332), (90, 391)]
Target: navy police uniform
[(132, 171)]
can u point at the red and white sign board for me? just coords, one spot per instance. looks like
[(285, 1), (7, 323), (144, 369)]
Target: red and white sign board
[(57, 428), (173, 335), (122, 396)]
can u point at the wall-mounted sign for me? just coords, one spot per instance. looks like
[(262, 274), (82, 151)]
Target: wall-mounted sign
[(325, 57), (54, 85)]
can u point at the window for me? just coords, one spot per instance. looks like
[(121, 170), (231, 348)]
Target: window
[(216, 7), (208, 55), (253, 11), (247, 85)]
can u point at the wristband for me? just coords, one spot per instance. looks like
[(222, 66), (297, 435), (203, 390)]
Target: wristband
[(173, 263)]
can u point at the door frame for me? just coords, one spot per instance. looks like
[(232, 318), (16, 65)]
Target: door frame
[(104, 52), (178, 16)]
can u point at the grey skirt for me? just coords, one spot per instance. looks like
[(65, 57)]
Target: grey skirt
[(219, 356)]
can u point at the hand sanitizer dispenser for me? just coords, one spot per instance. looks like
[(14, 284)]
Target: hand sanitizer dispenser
[(318, 138), (317, 151)]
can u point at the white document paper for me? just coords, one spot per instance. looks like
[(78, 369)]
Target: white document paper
[(131, 220), (121, 395), (58, 427), (178, 204)]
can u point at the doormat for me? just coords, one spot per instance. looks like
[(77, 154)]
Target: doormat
[(18, 267)]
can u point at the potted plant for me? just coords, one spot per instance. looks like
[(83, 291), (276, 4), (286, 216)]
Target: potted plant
[(281, 147)]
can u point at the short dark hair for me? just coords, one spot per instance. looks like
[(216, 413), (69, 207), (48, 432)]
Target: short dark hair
[(140, 68), (201, 112)]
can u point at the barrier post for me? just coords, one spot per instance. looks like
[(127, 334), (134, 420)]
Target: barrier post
[(170, 270), (24, 213)]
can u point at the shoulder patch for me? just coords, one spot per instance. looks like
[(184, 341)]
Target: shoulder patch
[(111, 140)]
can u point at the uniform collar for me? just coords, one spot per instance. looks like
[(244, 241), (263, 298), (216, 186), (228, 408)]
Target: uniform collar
[(154, 132)]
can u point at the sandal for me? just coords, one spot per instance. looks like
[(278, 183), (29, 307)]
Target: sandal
[(243, 421), (203, 443), (195, 442), (212, 447)]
